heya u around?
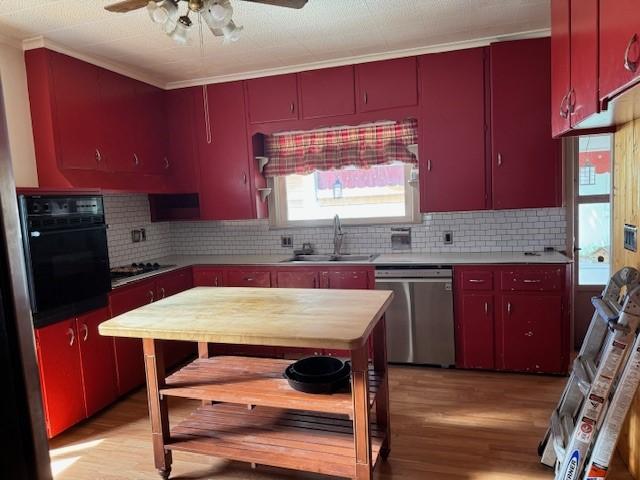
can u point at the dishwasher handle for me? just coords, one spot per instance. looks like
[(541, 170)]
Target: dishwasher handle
[(413, 280)]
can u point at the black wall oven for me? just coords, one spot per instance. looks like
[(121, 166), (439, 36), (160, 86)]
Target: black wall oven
[(65, 243)]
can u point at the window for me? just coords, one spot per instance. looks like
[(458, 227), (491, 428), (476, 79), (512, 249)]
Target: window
[(378, 194), (593, 209)]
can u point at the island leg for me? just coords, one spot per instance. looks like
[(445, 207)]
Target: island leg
[(382, 395), (158, 411), (360, 397)]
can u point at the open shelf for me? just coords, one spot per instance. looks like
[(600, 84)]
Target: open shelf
[(255, 381), (271, 436)]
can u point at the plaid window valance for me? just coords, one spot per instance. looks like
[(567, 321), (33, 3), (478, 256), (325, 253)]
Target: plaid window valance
[(305, 152)]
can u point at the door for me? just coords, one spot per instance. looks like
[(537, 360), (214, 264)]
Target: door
[(248, 278), (151, 132), (78, 123), (560, 66), (182, 149), (272, 99), (526, 166), (297, 279), (327, 92), (97, 360), (60, 375), (583, 99), (452, 150), (529, 333), (619, 46), (475, 331), (173, 282), (129, 356), (345, 279), (117, 94), (225, 174), (206, 277), (387, 84)]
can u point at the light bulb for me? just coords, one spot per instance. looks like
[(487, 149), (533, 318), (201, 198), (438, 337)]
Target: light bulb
[(216, 15), (231, 32), (180, 33)]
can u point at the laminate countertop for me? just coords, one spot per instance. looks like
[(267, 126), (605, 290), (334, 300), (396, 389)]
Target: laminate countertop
[(291, 317)]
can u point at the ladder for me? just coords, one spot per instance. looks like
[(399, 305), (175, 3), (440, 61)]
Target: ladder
[(582, 417)]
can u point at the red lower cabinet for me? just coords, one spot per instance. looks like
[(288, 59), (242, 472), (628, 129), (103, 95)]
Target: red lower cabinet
[(207, 277), (518, 322), (347, 278), (97, 360), (296, 279), (60, 375)]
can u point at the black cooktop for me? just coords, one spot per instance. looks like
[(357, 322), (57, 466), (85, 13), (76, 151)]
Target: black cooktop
[(135, 269)]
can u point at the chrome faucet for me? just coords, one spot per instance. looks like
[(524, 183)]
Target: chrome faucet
[(338, 236)]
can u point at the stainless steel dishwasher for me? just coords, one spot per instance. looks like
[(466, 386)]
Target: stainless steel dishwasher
[(420, 319)]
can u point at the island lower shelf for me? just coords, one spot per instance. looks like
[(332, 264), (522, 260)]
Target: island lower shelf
[(322, 443), (255, 381)]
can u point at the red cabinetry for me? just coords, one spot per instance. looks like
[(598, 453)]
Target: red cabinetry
[(296, 278), (560, 66), (453, 131), (619, 46), (327, 92), (512, 318), (182, 149), (387, 84), (347, 278), (247, 278), (174, 282), (207, 277), (583, 98), (526, 161), (272, 99)]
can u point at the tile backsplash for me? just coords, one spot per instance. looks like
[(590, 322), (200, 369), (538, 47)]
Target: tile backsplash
[(481, 231)]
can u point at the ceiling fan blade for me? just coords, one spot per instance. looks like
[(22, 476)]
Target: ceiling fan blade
[(127, 5), (282, 3)]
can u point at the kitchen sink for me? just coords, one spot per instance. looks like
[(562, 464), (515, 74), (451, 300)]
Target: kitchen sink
[(346, 257)]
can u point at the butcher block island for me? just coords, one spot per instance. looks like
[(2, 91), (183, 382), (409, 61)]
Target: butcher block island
[(249, 412)]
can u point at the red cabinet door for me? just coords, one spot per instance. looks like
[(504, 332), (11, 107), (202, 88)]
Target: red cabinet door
[(173, 282), (619, 46), (475, 335), (345, 279), (452, 146), (560, 66), (225, 174), (129, 356), (584, 99), (77, 122), (247, 278), (272, 99), (296, 279), (60, 375), (526, 166), (387, 84), (207, 277), (182, 149), (117, 93), (151, 132), (529, 333), (327, 92), (98, 361)]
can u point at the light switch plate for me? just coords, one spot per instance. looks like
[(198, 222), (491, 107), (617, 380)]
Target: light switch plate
[(447, 238), (286, 241), (630, 237)]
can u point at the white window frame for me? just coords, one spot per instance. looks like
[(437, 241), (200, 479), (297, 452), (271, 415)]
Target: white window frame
[(278, 207)]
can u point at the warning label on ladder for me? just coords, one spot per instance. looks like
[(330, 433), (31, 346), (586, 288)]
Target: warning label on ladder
[(596, 472)]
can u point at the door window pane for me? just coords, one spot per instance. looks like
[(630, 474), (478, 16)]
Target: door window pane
[(594, 165), (594, 232)]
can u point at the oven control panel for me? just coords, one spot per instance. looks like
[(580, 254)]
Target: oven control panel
[(59, 205)]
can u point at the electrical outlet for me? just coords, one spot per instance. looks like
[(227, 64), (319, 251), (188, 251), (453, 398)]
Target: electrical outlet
[(143, 234), (286, 241), (447, 238), (136, 236)]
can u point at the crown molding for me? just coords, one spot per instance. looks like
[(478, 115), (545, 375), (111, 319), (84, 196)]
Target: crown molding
[(409, 52), (40, 42)]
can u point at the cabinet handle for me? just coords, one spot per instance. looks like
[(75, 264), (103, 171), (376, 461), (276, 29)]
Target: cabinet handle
[(509, 308), (292, 107), (571, 102), (528, 334), (215, 282), (162, 292), (98, 156), (499, 159), (249, 279), (72, 336), (564, 112), (428, 165), (136, 160), (244, 177), (366, 98), (85, 329), (166, 163), (475, 280), (526, 280), (151, 296), (486, 308), (630, 65)]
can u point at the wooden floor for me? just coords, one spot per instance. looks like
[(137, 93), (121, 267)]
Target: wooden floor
[(446, 425)]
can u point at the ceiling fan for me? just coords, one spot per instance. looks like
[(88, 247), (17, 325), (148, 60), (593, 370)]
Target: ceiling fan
[(215, 13)]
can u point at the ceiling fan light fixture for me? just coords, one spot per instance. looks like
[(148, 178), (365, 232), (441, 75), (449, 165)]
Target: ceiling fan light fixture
[(231, 32), (162, 12), (180, 33), (216, 14)]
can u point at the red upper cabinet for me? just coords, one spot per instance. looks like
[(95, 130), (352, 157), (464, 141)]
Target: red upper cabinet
[(78, 125), (60, 375), (560, 66), (452, 131), (98, 361), (387, 84), (151, 131), (225, 165), (583, 98), (182, 150), (272, 99), (327, 92), (526, 161), (619, 46)]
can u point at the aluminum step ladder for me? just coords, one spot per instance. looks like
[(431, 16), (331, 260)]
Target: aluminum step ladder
[(575, 422)]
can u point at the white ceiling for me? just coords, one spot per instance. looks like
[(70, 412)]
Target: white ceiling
[(274, 39)]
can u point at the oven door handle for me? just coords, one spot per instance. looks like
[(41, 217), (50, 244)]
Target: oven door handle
[(38, 233)]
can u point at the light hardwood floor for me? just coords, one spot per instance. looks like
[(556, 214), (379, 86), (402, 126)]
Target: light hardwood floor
[(446, 425)]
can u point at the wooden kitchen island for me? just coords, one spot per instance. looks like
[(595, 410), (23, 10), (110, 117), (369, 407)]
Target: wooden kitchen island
[(249, 412)]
